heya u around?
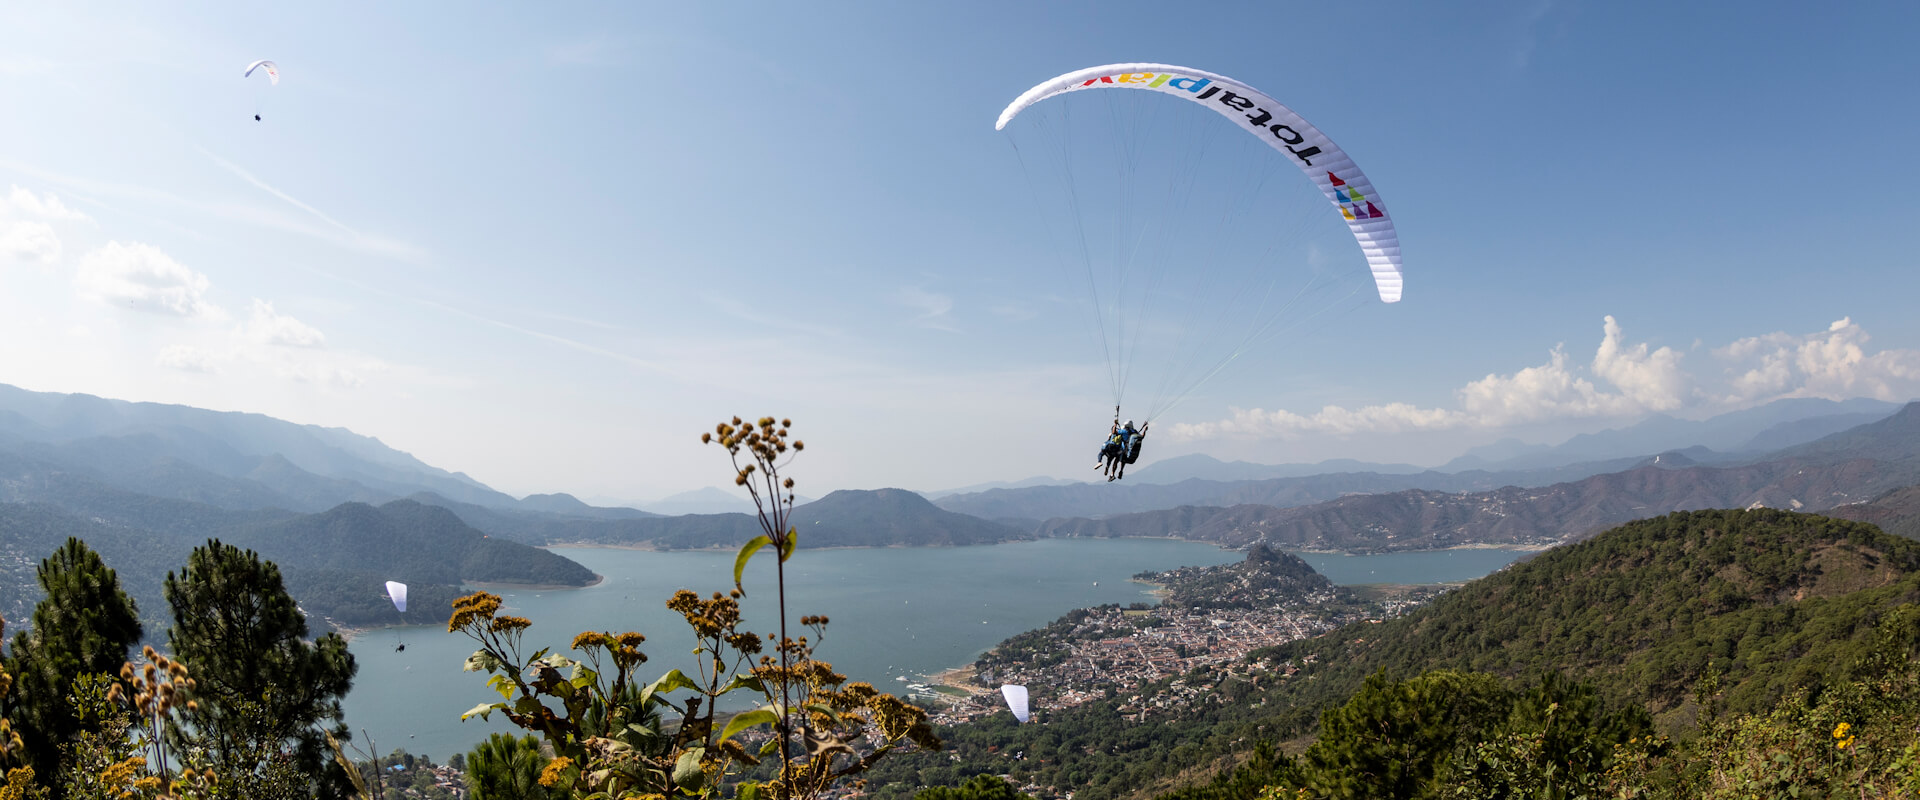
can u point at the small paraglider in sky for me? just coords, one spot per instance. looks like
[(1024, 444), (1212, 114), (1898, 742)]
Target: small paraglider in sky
[(272, 71), (1016, 700), (397, 592)]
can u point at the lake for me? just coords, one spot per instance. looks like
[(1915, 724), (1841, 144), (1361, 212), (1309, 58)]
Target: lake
[(896, 612)]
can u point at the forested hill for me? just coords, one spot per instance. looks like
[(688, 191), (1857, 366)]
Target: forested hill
[(1896, 512), (846, 518), (1774, 599), (1267, 578), (408, 542), (335, 562)]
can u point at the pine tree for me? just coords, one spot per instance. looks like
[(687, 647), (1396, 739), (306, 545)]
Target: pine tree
[(506, 768), (83, 627), (258, 676)]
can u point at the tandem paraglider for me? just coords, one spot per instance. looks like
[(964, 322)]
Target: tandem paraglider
[(1122, 448), (1196, 243)]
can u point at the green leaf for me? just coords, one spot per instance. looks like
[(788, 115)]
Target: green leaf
[(743, 721), (786, 550), (480, 661), (482, 710), (746, 552), (742, 680), (502, 684), (747, 791), (674, 679), (686, 771), (526, 705)]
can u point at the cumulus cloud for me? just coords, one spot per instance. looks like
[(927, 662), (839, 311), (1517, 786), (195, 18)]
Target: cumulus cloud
[(270, 327), (1543, 392), (23, 203), (1833, 363), (1652, 381), (144, 278), (25, 234), (1623, 379), (29, 241)]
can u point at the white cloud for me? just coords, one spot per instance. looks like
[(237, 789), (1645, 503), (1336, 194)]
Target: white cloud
[(1650, 380), (1833, 364), (1622, 380), (1259, 423), (270, 327), (146, 279), (29, 241), (21, 202), (24, 232), (1535, 393)]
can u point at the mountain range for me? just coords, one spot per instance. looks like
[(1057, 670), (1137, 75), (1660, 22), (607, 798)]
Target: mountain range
[(342, 512), (1850, 467)]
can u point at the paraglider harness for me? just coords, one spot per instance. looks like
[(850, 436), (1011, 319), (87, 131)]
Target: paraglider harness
[(1133, 445), (1122, 447)]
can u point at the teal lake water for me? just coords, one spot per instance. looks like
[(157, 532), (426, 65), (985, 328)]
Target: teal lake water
[(896, 612)]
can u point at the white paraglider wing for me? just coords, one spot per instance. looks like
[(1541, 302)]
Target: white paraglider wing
[(1016, 700), (272, 70), (1253, 111), (397, 591)]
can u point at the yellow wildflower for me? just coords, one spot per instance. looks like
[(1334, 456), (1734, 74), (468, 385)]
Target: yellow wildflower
[(555, 771)]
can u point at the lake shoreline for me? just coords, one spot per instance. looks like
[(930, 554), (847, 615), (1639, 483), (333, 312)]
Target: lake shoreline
[(648, 546)]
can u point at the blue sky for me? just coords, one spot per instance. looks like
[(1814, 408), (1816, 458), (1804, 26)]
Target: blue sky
[(548, 247)]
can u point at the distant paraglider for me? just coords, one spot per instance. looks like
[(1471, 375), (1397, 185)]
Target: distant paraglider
[(1016, 700), (273, 78), (397, 592)]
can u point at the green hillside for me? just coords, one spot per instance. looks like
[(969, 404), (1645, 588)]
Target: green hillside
[(1774, 599)]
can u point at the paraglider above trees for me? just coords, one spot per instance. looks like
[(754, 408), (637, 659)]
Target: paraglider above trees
[(1196, 242), (397, 592), (1016, 700)]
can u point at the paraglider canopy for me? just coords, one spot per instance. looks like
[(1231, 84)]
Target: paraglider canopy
[(1287, 132), (1016, 700), (272, 70), (397, 592), (1201, 237)]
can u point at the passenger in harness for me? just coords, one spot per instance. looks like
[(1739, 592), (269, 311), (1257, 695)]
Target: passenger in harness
[(1122, 448)]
